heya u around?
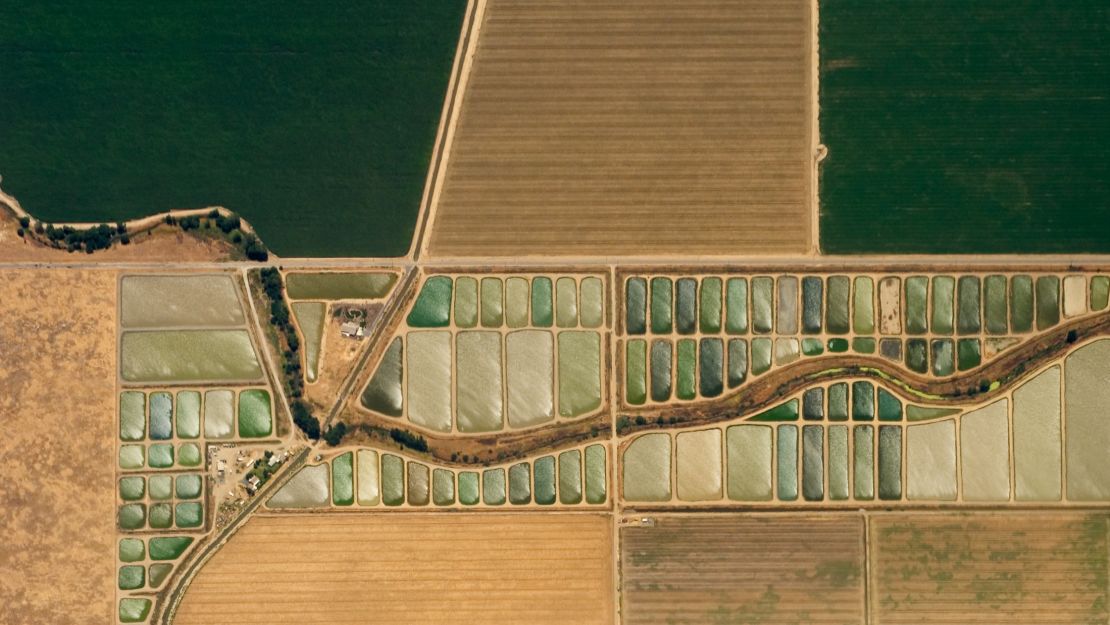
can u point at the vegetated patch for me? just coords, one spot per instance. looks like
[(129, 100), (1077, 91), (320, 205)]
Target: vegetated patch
[(589, 129), (315, 122), (736, 568), (552, 568), (284, 337), (989, 567), (985, 123)]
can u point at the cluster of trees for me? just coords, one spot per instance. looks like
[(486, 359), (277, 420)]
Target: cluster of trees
[(230, 226), (335, 434), (625, 422), (274, 290), (408, 439), (90, 240)]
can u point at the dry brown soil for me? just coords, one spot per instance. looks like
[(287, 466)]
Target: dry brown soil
[(437, 568), (632, 128), (57, 452)]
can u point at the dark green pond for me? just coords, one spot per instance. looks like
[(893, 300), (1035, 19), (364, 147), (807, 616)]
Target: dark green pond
[(315, 121), (987, 124)]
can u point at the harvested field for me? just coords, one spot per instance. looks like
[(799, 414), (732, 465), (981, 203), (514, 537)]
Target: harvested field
[(616, 128), (989, 568), (57, 498), (411, 568), (730, 568)]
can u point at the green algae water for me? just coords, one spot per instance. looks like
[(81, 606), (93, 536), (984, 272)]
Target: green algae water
[(315, 121), (986, 124)]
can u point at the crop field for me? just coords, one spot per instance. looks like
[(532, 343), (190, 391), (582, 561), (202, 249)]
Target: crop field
[(986, 124), (57, 495), (615, 128), (743, 569), (420, 568)]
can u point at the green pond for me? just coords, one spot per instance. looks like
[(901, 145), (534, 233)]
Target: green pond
[(813, 404), (761, 355), (160, 456), (368, 481), (188, 455), (863, 305), (469, 491), (343, 480), (838, 462), (530, 369), (172, 301), (698, 465), (158, 574), (131, 550), (566, 303), (836, 309), (925, 413), (443, 487), (516, 302), (131, 577), (687, 359), (661, 370), (890, 462), (493, 310), (968, 354), (428, 371), (132, 488), (188, 414), (493, 487), (188, 356), (131, 516), (863, 345), (310, 319), (417, 485), (393, 480), (944, 293), (917, 304), (478, 388), (686, 305), (967, 317), (544, 484), (1037, 438), (132, 108), (917, 355), (188, 486), (890, 408), (132, 456), (786, 310), (161, 487), (335, 286), (863, 461), (255, 415), (786, 467), (661, 305), (737, 362), (570, 477), (813, 291), (432, 308), (635, 358), (1048, 302), (383, 394), (161, 416), (132, 416), (838, 401), (786, 411), (710, 367), (995, 304), (942, 357), (709, 306), (161, 516), (985, 453), (1021, 303), (736, 306), (520, 483), (635, 306), (579, 373), (596, 474), (762, 304), (863, 401), (813, 463), (1100, 292), (749, 457), (169, 547), (542, 312), (307, 489), (133, 610)]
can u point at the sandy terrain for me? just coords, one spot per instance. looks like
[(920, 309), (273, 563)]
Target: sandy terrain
[(408, 568), (631, 128), (736, 568), (57, 404), (989, 568)]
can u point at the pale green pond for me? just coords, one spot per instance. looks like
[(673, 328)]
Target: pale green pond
[(579, 373), (188, 414), (749, 462), (544, 469), (310, 318), (160, 456), (443, 487), (592, 306), (516, 302), (917, 304), (161, 516), (189, 515), (255, 414), (985, 453), (343, 479), (493, 310), (469, 491), (529, 357), (337, 286), (635, 386), (188, 356), (132, 488), (188, 455), (813, 462), (393, 480), (132, 456), (838, 462), (863, 468), (570, 477), (161, 487), (786, 468), (478, 389), (662, 301), (133, 610), (890, 462), (786, 312), (219, 414), (132, 416), (566, 303), (698, 465), (944, 293), (131, 550), (520, 483), (466, 302), (836, 310), (736, 306), (417, 486), (863, 305), (172, 301), (709, 306), (188, 486), (368, 491), (131, 577), (646, 468), (493, 487), (383, 394), (307, 489), (428, 372), (595, 474), (763, 304)]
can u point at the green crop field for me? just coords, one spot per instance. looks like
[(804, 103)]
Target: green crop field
[(315, 121), (957, 127)]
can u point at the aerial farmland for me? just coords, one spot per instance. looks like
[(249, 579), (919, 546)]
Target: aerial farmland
[(661, 318)]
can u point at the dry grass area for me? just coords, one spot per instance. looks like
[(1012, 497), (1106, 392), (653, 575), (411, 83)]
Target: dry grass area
[(408, 568), (632, 128), (57, 453), (734, 568), (337, 356), (1041, 568)]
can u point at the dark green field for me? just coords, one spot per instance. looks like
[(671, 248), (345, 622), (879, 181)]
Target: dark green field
[(965, 127), (314, 120)]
